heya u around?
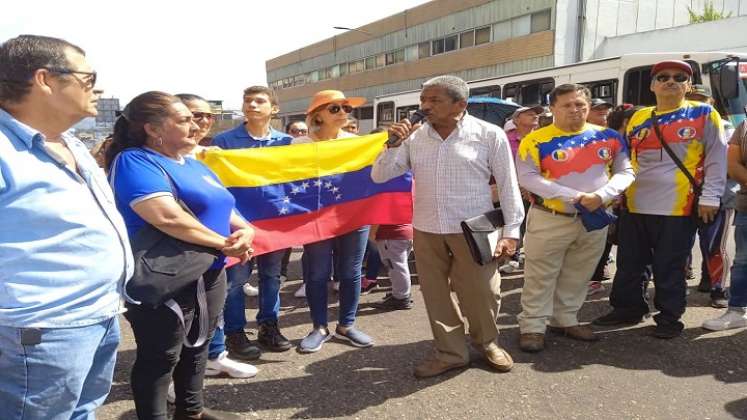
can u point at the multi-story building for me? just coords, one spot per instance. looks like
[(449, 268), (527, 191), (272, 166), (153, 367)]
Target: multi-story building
[(108, 110), (473, 39)]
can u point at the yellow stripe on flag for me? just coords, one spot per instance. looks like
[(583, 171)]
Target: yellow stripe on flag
[(279, 164)]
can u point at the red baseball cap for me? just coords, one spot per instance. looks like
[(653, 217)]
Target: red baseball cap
[(672, 64)]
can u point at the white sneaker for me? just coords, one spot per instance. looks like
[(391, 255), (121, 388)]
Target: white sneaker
[(233, 368), (250, 290), (336, 286), (301, 292), (171, 394), (730, 319), (283, 278)]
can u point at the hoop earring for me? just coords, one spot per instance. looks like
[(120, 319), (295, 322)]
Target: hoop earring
[(159, 142)]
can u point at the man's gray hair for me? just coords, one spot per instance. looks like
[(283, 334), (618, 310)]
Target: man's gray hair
[(456, 88)]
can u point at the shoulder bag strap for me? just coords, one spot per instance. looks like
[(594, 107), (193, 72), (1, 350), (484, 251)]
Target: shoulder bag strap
[(204, 320), (670, 152)]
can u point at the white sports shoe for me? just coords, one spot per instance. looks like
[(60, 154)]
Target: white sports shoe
[(509, 267), (301, 292), (233, 368), (336, 286), (730, 319), (250, 290), (283, 278)]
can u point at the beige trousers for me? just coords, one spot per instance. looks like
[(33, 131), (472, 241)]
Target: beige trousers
[(444, 263), (560, 260)]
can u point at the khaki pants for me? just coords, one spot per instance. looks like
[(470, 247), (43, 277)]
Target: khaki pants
[(444, 264), (560, 259)]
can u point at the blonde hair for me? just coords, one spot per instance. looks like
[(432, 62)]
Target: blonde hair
[(313, 123)]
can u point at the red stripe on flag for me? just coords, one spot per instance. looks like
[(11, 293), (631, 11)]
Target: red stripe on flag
[(284, 232)]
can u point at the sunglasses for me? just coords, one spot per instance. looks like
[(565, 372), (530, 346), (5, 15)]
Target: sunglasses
[(196, 116), (334, 108), (299, 131), (89, 79), (679, 77)]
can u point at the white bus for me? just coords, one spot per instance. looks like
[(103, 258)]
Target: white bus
[(623, 79)]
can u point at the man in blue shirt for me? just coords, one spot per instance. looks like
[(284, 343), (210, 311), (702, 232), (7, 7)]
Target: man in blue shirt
[(64, 251), (260, 104)]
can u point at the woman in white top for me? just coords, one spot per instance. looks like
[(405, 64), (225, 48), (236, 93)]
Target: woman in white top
[(325, 117)]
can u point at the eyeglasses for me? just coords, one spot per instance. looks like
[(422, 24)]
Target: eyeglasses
[(334, 108), (299, 130), (679, 77), (89, 80), (196, 116)]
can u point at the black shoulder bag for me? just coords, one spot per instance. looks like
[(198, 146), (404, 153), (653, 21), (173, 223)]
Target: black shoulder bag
[(481, 233), (165, 266), (697, 187)]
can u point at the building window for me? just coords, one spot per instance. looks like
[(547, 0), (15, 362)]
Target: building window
[(437, 46), (451, 43), (380, 60), (424, 49), (395, 57), (370, 63), (482, 35), (356, 66), (411, 52), (343, 69), (502, 31), (521, 26), (299, 80), (467, 39), (540, 21)]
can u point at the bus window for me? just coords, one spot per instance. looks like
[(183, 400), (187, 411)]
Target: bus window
[(603, 89), (486, 91), (384, 114), (405, 111), (529, 92), (637, 87)]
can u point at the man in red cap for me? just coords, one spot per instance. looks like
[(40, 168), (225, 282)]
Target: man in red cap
[(662, 204)]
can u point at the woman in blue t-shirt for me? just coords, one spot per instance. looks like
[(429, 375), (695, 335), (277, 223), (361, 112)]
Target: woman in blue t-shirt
[(149, 174)]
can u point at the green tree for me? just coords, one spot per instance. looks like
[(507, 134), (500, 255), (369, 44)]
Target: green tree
[(709, 14)]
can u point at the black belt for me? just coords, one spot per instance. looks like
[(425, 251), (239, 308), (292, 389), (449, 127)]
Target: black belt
[(549, 210)]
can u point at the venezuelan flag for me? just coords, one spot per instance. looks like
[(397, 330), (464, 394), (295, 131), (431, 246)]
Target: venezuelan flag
[(305, 193)]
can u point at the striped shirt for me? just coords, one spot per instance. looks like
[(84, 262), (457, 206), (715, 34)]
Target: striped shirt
[(557, 165), (451, 175), (694, 133)]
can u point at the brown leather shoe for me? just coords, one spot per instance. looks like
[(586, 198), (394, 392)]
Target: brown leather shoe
[(497, 357), (576, 332), (434, 367), (532, 342)]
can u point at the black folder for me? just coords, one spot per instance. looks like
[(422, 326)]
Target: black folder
[(482, 234)]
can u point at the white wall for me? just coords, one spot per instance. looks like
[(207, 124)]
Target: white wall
[(724, 35)]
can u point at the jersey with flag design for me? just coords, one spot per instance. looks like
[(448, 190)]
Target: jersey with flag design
[(557, 165), (694, 133)]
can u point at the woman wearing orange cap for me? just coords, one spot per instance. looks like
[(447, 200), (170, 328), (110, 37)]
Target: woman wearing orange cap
[(325, 117)]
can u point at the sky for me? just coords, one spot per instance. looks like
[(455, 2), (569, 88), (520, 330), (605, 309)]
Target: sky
[(212, 48)]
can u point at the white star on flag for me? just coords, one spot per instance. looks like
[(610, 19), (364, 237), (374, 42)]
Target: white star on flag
[(284, 210), (295, 190), (338, 197), (334, 189), (327, 185), (286, 200), (305, 185), (318, 183)]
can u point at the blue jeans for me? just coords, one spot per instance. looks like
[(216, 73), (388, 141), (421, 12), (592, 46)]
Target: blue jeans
[(351, 248), (66, 376), (234, 312), (738, 288), (269, 267), (373, 261)]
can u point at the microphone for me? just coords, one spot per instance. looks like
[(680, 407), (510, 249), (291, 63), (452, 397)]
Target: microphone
[(415, 118)]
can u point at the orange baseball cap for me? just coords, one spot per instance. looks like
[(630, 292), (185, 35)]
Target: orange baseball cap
[(325, 97)]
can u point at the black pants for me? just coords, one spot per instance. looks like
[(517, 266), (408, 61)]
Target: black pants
[(599, 271), (663, 241), (161, 354)]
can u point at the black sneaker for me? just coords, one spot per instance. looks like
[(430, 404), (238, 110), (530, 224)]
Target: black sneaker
[(719, 299), (270, 338), (391, 303), (209, 414), (668, 330), (618, 318), (240, 348)]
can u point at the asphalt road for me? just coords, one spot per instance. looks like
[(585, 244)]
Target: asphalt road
[(627, 375)]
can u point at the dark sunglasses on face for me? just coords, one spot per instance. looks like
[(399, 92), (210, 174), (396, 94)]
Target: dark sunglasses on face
[(89, 79), (334, 108), (196, 116), (679, 77)]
